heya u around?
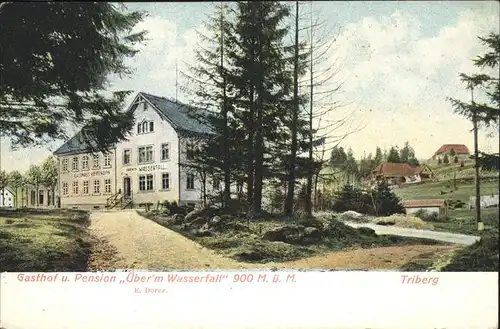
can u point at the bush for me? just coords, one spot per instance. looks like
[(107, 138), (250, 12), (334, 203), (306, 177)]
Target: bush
[(380, 202), (427, 216), (482, 256), (173, 208)]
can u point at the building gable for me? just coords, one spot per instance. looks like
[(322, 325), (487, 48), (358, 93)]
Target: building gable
[(176, 114)]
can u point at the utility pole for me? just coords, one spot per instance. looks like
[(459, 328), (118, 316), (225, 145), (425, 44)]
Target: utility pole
[(480, 224), (3, 188)]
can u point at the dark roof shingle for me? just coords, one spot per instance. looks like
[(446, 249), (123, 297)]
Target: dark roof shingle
[(176, 113), (458, 148)]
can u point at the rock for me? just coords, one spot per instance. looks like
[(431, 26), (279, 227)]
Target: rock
[(311, 235), (366, 231), (206, 212), (177, 219), (291, 234), (352, 214), (199, 221), (202, 233), (215, 220)]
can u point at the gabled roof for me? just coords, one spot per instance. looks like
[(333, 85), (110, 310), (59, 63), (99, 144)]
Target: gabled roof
[(421, 167), (389, 169), (459, 148), (177, 114), (174, 112), (74, 145), (424, 203)]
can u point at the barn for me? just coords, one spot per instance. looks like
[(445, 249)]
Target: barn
[(431, 206)]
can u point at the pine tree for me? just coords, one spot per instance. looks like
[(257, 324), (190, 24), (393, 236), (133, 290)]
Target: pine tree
[(264, 85), (378, 157), (208, 83), (446, 160), (54, 67), (386, 201), (455, 159), (393, 156)]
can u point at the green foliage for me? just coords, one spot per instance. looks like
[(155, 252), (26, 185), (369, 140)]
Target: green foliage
[(452, 152), (338, 157), (482, 256), (426, 215), (54, 67), (393, 155), (455, 159), (446, 160), (380, 202), (386, 202), (350, 198), (440, 161), (485, 114), (378, 157), (4, 179)]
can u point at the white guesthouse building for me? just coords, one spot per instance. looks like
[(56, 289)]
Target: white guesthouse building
[(146, 168)]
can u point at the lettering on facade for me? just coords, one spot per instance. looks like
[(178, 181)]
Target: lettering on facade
[(92, 173), (148, 168)]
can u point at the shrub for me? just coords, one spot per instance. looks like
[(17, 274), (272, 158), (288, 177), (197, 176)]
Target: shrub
[(386, 201), (173, 208), (350, 198), (480, 257), (381, 202), (426, 215)]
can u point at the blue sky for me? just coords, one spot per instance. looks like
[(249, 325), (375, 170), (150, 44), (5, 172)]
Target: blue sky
[(398, 61)]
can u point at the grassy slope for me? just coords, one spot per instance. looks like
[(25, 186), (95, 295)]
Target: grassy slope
[(44, 240)]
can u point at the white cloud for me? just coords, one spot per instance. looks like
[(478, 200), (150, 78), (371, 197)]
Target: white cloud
[(401, 79)]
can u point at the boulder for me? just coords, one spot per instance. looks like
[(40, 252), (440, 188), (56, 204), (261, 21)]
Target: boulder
[(215, 220), (199, 221), (367, 231), (202, 232), (177, 219), (287, 233), (311, 235), (206, 212)]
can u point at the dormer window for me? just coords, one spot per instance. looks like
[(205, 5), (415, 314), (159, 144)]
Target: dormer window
[(145, 127)]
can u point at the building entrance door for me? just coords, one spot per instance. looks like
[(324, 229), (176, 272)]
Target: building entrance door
[(127, 190)]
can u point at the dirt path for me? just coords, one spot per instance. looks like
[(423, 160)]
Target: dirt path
[(374, 258), (127, 240)]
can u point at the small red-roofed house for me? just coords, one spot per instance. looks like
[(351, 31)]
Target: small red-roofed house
[(460, 150)]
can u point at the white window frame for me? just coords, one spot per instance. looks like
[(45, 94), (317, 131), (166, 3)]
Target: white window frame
[(107, 186), (85, 187), (146, 183), (188, 176), (65, 164), (145, 127), (75, 187), (163, 181), (74, 163), (107, 160), (165, 147), (65, 188), (97, 186), (145, 147), (96, 164), (85, 162), (129, 156)]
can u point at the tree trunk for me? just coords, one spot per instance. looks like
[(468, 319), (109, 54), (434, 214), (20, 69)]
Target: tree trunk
[(476, 166), (227, 137), (295, 115), (259, 140)]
